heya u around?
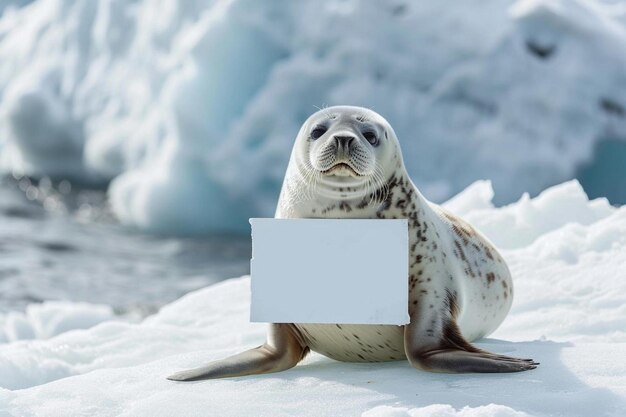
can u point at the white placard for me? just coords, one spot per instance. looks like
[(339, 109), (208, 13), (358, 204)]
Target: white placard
[(344, 271)]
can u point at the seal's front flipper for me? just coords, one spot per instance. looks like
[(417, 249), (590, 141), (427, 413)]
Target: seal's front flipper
[(458, 361), (282, 350), (450, 352), (433, 342)]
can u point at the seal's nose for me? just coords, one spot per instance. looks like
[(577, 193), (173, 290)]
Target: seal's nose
[(343, 141)]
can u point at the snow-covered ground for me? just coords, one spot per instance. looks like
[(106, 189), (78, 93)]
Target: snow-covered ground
[(199, 101), (567, 255)]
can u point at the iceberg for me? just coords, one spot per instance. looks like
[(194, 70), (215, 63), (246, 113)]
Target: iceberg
[(186, 111)]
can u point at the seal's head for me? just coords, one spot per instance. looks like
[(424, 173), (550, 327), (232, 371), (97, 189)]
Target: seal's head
[(347, 147)]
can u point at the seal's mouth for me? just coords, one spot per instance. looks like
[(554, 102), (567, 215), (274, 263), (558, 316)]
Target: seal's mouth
[(341, 169)]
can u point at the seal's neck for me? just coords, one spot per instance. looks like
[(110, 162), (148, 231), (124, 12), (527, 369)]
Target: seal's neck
[(346, 197)]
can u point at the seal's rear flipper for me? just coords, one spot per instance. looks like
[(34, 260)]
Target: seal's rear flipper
[(283, 350)]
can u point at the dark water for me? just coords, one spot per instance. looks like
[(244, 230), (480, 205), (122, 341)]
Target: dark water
[(66, 246)]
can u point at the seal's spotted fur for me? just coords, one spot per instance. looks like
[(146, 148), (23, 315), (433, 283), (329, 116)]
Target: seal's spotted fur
[(347, 163), (447, 257)]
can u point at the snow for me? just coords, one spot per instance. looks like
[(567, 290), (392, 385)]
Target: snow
[(569, 313), (528, 218), (11, 5), (440, 410), (41, 321), (148, 96)]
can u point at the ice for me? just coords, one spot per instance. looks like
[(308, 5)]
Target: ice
[(122, 344), (568, 313), (42, 321), (11, 5), (440, 410), (195, 138), (519, 224)]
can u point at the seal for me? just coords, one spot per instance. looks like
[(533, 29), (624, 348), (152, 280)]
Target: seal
[(346, 163)]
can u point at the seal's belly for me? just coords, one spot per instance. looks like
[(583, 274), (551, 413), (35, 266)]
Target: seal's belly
[(355, 342)]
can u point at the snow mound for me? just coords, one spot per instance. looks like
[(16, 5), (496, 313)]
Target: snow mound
[(568, 313), (42, 321), (519, 224), (196, 138), (440, 410), (117, 344)]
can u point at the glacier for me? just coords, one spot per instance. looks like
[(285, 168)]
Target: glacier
[(186, 111), (569, 313)]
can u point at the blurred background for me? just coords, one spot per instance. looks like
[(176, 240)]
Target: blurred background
[(138, 136)]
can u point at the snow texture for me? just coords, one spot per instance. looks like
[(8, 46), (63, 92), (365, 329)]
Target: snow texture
[(11, 5), (51, 318), (569, 313), (190, 108)]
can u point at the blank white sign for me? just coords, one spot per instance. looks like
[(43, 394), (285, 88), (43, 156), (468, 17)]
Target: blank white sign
[(329, 271)]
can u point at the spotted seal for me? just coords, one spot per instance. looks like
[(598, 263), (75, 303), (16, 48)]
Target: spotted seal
[(347, 163)]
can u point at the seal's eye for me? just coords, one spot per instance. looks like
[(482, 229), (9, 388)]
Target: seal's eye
[(371, 137), (318, 132)]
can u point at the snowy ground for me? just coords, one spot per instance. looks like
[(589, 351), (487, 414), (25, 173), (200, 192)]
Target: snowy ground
[(567, 255)]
